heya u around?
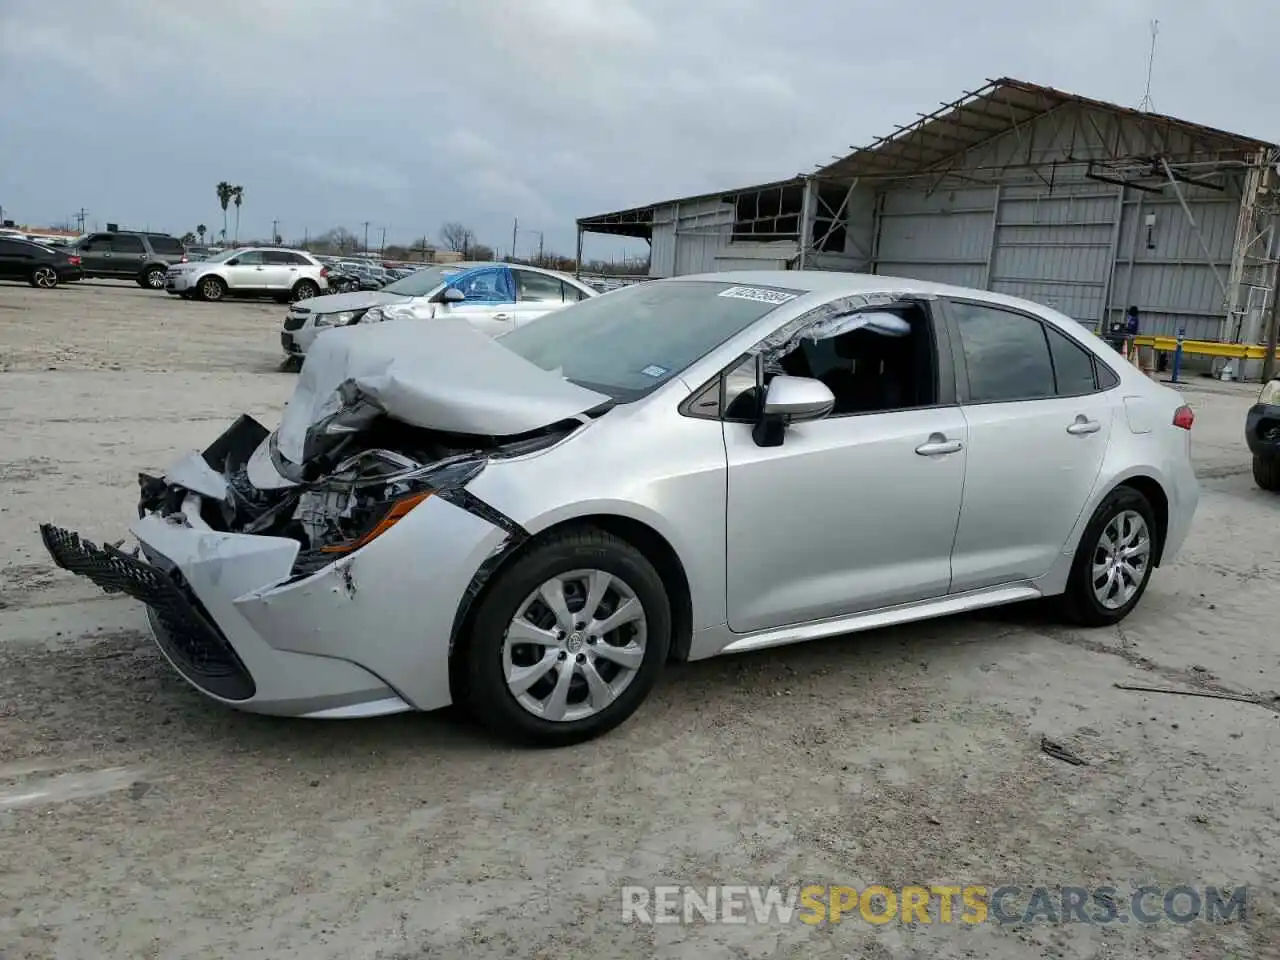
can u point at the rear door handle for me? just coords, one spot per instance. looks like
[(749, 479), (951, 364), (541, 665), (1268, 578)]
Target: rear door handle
[(1083, 426), (938, 444), (502, 316)]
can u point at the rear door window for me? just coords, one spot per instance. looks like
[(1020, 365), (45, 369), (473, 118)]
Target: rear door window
[(538, 287), (127, 243), (1005, 353)]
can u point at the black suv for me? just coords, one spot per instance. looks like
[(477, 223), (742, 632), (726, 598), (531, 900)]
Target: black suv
[(130, 255)]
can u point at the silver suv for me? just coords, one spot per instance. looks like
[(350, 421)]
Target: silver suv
[(286, 275)]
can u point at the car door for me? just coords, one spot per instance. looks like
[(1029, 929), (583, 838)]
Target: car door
[(279, 269), (537, 294), (850, 513), (1038, 431), (128, 255), (246, 272), (95, 254), (16, 259), (490, 300)]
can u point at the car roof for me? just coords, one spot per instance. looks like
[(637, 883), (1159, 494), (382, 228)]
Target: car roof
[(835, 284)]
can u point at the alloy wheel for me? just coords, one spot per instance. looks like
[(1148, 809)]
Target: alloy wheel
[(155, 279), (211, 289), (1120, 560), (574, 645), (46, 277)]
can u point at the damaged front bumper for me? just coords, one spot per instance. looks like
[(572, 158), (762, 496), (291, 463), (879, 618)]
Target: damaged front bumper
[(235, 615)]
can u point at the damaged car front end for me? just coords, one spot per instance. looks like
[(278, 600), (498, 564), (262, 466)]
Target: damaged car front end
[(271, 565)]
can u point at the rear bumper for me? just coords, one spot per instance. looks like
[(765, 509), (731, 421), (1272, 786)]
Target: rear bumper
[(1262, 430)]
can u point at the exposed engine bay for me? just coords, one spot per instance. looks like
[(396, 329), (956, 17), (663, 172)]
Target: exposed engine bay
[(364, 470)]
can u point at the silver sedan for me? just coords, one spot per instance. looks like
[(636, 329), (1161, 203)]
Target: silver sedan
[(535, 525)]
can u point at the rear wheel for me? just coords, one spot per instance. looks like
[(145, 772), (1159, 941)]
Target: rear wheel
[(46, 278), (152, 278), (304, 290), (567, 641), (211, 288), (1113, 562), (1266, 473)]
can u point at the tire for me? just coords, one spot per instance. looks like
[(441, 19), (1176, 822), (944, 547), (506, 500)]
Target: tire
[(46, 278), (486, 657), (1081, 604), (152, 278), (211, 288), (1266, 473), (304, 290)]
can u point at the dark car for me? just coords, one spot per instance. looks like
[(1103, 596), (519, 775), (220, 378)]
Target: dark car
[(1262, 433), (130, 255), (37, 264)]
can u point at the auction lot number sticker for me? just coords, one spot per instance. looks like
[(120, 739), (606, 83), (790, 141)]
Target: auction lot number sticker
[(758, 294)]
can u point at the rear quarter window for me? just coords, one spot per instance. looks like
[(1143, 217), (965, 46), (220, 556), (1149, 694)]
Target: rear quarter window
[(166, 245)]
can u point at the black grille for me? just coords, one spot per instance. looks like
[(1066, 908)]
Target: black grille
[(184, 632), (293, 321)]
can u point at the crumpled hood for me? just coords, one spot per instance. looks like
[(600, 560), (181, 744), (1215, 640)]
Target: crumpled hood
[(443, 375), (359, 300)]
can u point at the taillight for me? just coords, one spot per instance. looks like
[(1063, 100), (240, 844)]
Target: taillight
[(324, 271), (1184, 417), (74, 261), (184, 259)]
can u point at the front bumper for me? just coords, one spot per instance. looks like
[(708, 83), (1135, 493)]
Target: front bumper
[(1262, 430), (179, 281), (364, 636), (296, 342)]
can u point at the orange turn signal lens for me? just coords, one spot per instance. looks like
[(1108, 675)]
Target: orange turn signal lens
[(393, 516)]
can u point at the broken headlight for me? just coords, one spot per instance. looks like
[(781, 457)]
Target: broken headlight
[(371, 492)]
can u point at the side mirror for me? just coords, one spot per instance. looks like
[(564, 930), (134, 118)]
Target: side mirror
[(449, 295), (790, 400)]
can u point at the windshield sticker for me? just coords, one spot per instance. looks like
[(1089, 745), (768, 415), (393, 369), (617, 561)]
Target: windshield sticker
[(758, 294), (655, 371)]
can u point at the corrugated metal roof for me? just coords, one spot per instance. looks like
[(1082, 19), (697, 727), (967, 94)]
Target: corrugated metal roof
[(982, 115)]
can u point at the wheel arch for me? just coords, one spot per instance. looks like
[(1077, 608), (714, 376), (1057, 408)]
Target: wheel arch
[(655, 547)]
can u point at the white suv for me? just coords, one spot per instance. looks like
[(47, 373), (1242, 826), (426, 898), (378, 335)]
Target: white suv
[(250, 272)]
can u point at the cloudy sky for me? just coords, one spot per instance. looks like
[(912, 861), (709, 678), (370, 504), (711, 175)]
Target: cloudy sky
[(409, 113)]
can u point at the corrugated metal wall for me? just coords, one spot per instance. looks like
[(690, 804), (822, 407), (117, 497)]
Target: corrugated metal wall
[(687, 236), (1078, 246)]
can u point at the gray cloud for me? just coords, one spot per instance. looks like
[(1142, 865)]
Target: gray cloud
[(407, 113)]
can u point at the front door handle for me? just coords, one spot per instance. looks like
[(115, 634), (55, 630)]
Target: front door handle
[(1083, 425), (938, 444), (502, 316)]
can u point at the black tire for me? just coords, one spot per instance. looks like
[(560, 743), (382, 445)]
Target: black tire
[(43, 277), (304, 290), (1079, 604), (211, 288), (152, 278), (484, 687), (1266, 473)]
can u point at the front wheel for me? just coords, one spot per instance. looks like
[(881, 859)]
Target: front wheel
[(1113, 562), (46, 278), (1266, 473), (211, 288), (567, 641)]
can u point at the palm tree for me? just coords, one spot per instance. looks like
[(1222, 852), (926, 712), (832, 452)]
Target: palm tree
[(200, 229), (237, 195), (224, 198)]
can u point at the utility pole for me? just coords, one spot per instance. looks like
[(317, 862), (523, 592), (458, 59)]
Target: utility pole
[(366, 236), (383, 244), (80, 219), (515, 228), (275, 234), (540, 260)]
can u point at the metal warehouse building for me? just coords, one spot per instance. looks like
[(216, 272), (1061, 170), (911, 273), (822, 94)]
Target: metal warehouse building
[(1078, 204)]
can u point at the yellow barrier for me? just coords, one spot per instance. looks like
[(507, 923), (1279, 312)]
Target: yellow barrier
[(1206, 348)]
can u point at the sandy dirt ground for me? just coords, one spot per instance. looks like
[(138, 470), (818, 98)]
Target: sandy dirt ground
[(139, 820)]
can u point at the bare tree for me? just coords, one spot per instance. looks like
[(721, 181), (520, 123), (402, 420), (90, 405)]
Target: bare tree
[(457, 237)]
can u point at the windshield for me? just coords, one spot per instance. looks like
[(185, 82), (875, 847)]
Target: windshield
[(224, 255), (632, 341), (421, 282)]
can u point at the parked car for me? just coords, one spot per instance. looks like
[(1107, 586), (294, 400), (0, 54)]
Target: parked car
[(130, 255), (250, 272), (495, 298), (1262, 433), (37, 264), (534, 525)]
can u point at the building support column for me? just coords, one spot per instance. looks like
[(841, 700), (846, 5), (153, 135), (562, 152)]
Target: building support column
[(806, 223)]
